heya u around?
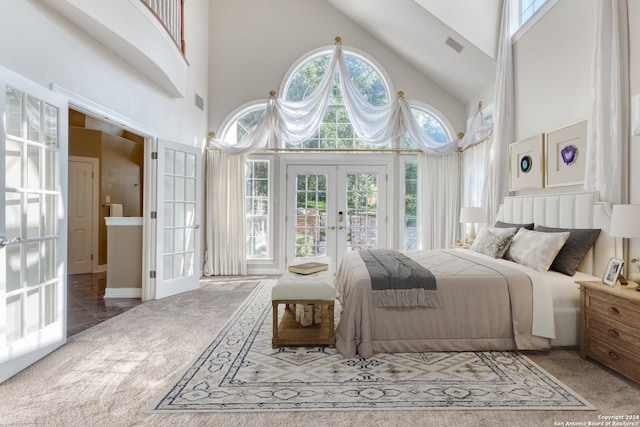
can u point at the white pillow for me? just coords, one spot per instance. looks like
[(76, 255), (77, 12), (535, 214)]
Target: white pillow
[(493, 241), (536, 249)]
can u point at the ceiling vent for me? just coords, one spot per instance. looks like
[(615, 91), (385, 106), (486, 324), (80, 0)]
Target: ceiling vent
[(454, 44)]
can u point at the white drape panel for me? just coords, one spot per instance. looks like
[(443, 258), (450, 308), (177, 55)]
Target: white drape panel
[(473, 169), (439, 200), (497, 179), (606, 168), (296, 121), (225, 252)]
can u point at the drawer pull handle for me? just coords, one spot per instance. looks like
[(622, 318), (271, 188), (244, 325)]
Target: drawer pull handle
[(614, 333), (614, 310), (613, 355)]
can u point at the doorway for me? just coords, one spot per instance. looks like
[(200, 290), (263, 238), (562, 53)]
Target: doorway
[(106, 165), (336, 209)]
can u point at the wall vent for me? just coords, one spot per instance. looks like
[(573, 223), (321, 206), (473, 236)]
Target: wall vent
[(199, 102), (454, 44)]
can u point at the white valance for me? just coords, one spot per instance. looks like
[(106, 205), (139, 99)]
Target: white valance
[(293, 122)]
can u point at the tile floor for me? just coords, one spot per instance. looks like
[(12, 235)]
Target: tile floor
[(86, 305)]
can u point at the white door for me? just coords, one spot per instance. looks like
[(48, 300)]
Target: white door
[(33, 233), (335, 209), (178, 219), (82, 209)]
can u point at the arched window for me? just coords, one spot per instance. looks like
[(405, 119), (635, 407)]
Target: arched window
[(242, 121), (336, 130), (432, 125)]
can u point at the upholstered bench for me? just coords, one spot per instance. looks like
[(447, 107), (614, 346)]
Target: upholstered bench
[(310, 289)]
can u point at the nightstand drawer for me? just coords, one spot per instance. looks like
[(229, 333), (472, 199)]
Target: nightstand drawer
[(612, 332), (613, 307), (613, 357)]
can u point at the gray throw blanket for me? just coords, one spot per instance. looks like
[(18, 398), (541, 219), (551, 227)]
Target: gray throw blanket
[(399, 281)]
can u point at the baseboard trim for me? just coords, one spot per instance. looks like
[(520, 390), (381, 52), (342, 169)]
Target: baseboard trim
[(123, 293)]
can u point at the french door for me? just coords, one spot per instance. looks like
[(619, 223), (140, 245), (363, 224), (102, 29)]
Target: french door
[(33, 233), (335, 209), (178, 219)]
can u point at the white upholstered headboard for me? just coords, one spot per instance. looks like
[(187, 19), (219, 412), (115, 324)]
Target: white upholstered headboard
[(570, 210)]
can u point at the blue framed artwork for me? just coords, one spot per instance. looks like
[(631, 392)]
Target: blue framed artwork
[(526, 164)]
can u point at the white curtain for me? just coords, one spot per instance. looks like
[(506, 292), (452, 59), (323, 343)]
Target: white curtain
[(439, 199), (496, 186), (606, 168), (473, 169), (225, 218), (296, 121)]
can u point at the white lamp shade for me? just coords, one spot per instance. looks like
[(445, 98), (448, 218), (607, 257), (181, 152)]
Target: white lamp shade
[(473, 215), (625, 221)]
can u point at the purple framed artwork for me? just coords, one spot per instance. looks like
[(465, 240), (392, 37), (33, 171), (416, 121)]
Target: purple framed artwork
[(565, 152)]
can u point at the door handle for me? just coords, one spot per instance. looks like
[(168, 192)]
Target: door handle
[(4, 241), (332, 227)]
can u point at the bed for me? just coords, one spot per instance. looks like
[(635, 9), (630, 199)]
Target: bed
[(485, 303)]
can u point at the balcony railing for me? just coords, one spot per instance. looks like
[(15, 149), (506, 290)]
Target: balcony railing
[(170, 13)]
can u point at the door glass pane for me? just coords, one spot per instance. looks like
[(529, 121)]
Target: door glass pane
[(190, 234), (311, 215), (50, 304), (33, 263), (168, 214), (362, 206), (14, 112), (12, 163), (168, 240), (168, 188), (189, 214), (33, 167), (178, 265), (33, 118), (13, 218), (179, 189), (168, 267), (50, 260), (14, 316), (51, 217), (189, 268), (51, 170), (50, 125), (169, 160), (178, 240), (181, 166), (33, 311), (33, 215), (179, 214), (14, 280), (190, 190), (190, 165)]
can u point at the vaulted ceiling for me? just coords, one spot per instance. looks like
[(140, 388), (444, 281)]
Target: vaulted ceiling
[(422, 32)]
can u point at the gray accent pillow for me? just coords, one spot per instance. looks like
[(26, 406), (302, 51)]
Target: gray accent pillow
[(493, 241), (528, 226), (574, 250)]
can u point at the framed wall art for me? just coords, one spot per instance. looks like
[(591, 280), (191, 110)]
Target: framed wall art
[(611, 273), (565, 151), (526, 163)]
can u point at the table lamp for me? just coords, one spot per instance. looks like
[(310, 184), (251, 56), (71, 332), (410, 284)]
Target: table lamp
[(473, 216), (625, 223)]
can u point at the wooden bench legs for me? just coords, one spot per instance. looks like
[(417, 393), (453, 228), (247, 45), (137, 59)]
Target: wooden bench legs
[(290, 333)]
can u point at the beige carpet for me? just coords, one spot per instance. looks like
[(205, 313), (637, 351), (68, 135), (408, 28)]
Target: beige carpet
[(110, 374)]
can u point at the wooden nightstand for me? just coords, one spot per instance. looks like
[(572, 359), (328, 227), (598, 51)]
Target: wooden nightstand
[(610, 326)]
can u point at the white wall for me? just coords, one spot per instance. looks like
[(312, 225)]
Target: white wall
[(44, 47), (552, 68), (254, 42)]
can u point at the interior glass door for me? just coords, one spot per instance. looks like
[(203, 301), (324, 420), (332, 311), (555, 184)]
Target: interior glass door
[(178, 219), (33, 233)]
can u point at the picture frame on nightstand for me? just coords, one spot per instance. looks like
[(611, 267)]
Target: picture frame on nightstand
[(611, 273)]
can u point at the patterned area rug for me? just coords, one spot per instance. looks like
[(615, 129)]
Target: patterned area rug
[(240, 372)]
